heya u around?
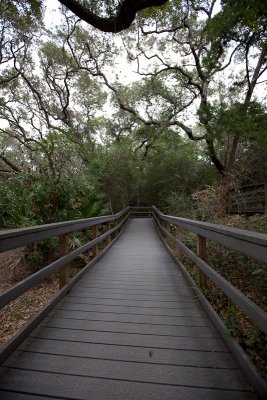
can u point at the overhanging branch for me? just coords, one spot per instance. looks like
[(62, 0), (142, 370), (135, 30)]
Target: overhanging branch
[(126, 13)]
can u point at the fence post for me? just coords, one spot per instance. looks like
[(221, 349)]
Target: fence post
[(178, 251), (202, 253), (265, 190), (108, 229), (63, 251), (95, 232)]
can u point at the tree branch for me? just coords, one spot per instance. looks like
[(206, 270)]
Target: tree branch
[(9, 163), (126, 13)]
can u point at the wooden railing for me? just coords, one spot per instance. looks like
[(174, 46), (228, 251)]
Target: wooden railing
[(141, 212), (104, 231), (251, 199), (249, 243)]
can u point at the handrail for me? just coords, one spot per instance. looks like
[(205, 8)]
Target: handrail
[(21, 287), (13, 238), (252, 244), (17, 237), (222, 235), (141, 211)]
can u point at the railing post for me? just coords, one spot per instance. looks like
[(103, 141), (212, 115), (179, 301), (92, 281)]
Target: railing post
[(202, 253), (95, 231), (63, 251), (178, 251), (168, 227), (108, 229)]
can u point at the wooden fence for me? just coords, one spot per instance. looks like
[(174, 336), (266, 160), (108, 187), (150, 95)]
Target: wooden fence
[(249, 199), (103, 232), (252, 244)]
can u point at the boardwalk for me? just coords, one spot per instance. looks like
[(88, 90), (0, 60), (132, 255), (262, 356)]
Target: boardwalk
[(131, 329)]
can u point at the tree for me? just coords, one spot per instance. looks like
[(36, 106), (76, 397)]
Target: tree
[(110, 16), (191, 50), (18, 24)]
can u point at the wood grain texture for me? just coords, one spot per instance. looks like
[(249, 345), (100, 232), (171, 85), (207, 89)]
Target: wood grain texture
[(84, 388), (131, 339), (130, 371), (130, 329), (132, 353)]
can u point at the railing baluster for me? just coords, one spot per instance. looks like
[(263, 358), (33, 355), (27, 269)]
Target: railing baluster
[(64, 272), (202, 253), (178, 251), (108, 228), (95, 232)]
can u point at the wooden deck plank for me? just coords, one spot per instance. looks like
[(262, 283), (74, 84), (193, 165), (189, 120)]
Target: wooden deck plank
[(144, 299), (130, 371), (125, 327), (128, 339), (133, 303), (8, 395), (132, 353), (85, 388), (131, 329), (162, 296), (133, 318), (191, 311)]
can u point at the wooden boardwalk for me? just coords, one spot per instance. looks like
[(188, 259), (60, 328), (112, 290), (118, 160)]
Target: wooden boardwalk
[(131, 329)]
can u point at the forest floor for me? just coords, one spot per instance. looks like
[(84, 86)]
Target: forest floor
[(16, 314)]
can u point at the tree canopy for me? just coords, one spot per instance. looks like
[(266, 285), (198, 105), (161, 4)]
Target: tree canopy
[(76, 136)]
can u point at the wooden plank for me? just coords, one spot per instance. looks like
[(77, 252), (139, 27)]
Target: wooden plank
[(121, 281), (84, 388), (132, 353), (133, 318), (8, 395), (125, 296), (152, 373), (136, 286), (131, 339), (159, 293), (105, 326), (193, 311), (132, 303)]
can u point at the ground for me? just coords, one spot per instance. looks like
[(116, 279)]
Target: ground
[(16, 314)]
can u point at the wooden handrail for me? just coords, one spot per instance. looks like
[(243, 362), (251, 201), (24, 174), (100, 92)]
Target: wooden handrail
[(13, 238), (252, 244), (141, 211), (222, 235), (21, 287)]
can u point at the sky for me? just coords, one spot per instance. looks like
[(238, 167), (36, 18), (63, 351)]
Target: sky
[(124, 70), (127, 71)]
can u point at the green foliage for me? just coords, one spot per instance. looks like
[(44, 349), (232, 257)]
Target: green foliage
[(179, 204), (32, 199), (22, 15), (249, 123)]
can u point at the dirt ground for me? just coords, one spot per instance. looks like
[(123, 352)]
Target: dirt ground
[(16, 314)]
